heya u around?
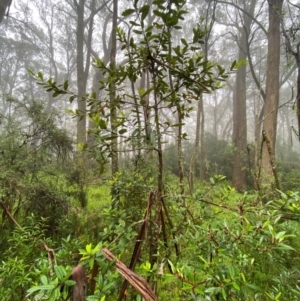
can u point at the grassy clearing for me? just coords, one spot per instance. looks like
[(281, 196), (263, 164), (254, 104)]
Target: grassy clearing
[(98, 196)]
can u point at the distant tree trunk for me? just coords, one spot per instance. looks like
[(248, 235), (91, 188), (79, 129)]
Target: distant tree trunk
[(196, 146), (239, 109), (81, 73), (180, 151), (202, 158), (113, 104), (200, 121), (4, 5), (272, 86)]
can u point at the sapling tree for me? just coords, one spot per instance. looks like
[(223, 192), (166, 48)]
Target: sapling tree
[(177, 73)]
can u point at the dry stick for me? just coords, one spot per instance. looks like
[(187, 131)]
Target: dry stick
[(138, 282), (10, 215), (138, 244), (273, 165)]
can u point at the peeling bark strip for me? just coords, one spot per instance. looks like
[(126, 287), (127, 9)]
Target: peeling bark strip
[(138, 282), (79, 289)]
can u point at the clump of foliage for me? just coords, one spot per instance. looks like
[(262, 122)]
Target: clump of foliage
[(36, 159)]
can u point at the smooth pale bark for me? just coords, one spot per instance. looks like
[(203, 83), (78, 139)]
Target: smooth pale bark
[(239, 107), (83, 61), (272, 87)]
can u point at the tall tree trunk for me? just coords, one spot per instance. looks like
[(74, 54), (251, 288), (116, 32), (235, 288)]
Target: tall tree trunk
[(113, 104), (239, 108), (81, 83), (272, 87)]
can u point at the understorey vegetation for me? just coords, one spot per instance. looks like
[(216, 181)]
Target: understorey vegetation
[(137, 207)]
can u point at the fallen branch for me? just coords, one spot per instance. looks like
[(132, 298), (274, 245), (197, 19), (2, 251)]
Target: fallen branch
[(138, 282)]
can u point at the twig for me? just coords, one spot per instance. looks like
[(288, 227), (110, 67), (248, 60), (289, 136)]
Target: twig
[(10, 215)]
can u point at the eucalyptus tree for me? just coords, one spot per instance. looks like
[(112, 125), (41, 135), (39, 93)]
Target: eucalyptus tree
[(272, 90), (113, 93)]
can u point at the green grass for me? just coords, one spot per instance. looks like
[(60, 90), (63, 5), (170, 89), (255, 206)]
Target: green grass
[(98, 196)]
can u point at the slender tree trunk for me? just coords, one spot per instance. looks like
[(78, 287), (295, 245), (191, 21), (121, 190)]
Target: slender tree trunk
[(203, 169), (113, 98), (272, 87), (239, 109), (196, 147), (81, 83), (179, 150)]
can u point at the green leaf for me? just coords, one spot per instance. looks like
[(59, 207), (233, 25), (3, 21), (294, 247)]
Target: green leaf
[(184, 42), (233, 65), (236, 286), (137, 31), (59, 271), (40, 75), (159, 14), (134, 23), (44, 279), (172, 21), (122, 131), (66, 85), (212, 290), (69, 282), (72, 98), (144, 11), (147, 92), (102, 124), (243, 277), (46, 287), (128, 12)]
